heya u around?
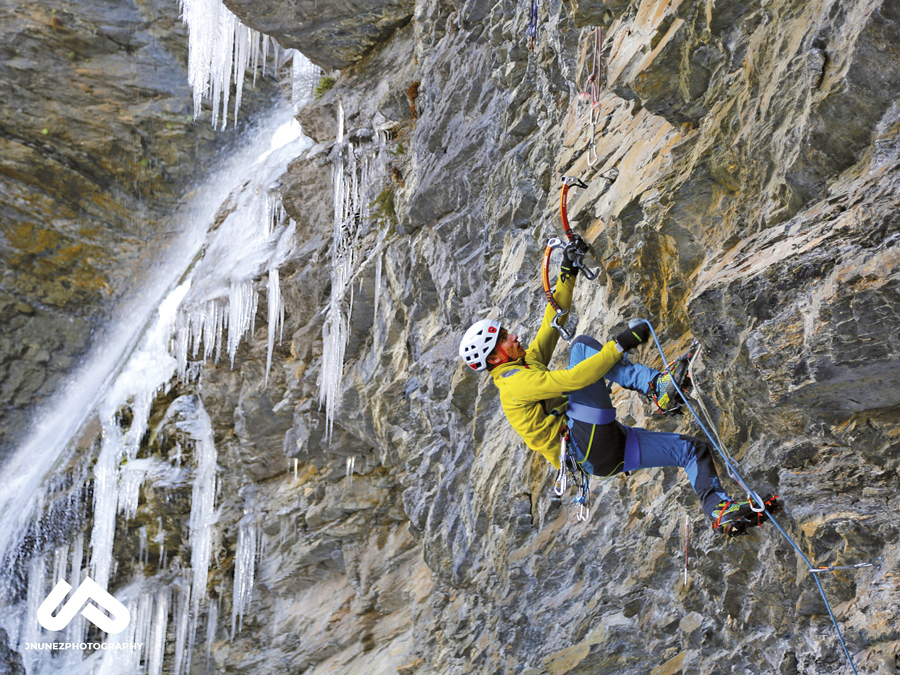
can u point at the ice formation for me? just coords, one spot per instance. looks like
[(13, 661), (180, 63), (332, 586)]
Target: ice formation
[(220, 50), (356, 168), (166, 330), (245, 557)]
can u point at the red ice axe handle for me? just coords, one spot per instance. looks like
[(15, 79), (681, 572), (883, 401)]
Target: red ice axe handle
[(570, 181), (545, 279)]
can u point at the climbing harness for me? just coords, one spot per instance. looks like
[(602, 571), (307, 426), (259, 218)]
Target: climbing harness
[(580, 479), (754, 497), (574, 251)]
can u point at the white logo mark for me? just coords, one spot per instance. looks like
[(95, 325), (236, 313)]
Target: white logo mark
[(88, 590)]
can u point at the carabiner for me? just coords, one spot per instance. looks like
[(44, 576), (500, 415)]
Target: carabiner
[(590, 276), (573, 181), (567, 335), (562, 476)]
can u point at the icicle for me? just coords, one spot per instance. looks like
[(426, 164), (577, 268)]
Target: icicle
[(160, 540), (212, 621), (276, 316), (143, 546), (77, 560), (157, 643), (351, 462), (60, 564), (181, 661), (244, 569), (132, 476), (31, 629), (106, 488), (77, 629)]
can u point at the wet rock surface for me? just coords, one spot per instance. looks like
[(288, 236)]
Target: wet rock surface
[(742, 169)]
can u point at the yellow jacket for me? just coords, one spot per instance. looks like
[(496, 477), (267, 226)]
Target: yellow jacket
[(529, 390)]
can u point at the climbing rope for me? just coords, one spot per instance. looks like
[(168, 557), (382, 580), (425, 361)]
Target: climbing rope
[(592, 88), (729, 459), (732, 471)]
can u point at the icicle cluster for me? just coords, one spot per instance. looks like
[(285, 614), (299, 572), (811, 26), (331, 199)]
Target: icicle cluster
[(304, 77), (221, 49), (220, 308), (355, 170), (193, 420), (245, 557)]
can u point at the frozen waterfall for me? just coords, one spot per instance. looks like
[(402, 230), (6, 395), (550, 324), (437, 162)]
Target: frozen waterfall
[(161, 333), (62, 492)]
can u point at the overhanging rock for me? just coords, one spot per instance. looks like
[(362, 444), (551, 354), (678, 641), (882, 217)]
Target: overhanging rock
[(333, 34)]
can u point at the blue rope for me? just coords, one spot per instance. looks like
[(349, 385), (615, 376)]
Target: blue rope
[(755, 497)]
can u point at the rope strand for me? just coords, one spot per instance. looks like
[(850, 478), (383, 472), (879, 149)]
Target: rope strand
[(754, 496)]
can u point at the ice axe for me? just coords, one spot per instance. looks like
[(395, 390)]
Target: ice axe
[(575, 251)]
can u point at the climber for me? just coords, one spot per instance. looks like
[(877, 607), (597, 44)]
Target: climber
[(542, 405)]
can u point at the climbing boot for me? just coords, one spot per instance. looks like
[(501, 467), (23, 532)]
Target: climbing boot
[(664, 393), (773, 504), (731, 517)]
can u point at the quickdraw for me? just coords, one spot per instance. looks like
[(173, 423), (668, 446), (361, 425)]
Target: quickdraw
[(592, 90), (567, 465), (562, 476), (573, 250), (532, 23), (817, 570)]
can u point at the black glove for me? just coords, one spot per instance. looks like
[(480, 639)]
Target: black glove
[(573, 254), (636, 334)]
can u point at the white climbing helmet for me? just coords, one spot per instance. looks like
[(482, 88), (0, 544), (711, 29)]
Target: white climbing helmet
[(478, 342)]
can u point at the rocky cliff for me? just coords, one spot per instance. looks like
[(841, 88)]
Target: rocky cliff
[(742, 167)]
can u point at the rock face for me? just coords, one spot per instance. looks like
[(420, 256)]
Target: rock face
[(744, 175), (333, 34), (97, 144)]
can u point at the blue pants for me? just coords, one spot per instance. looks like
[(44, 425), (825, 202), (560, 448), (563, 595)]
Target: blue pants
[(600, 448)]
